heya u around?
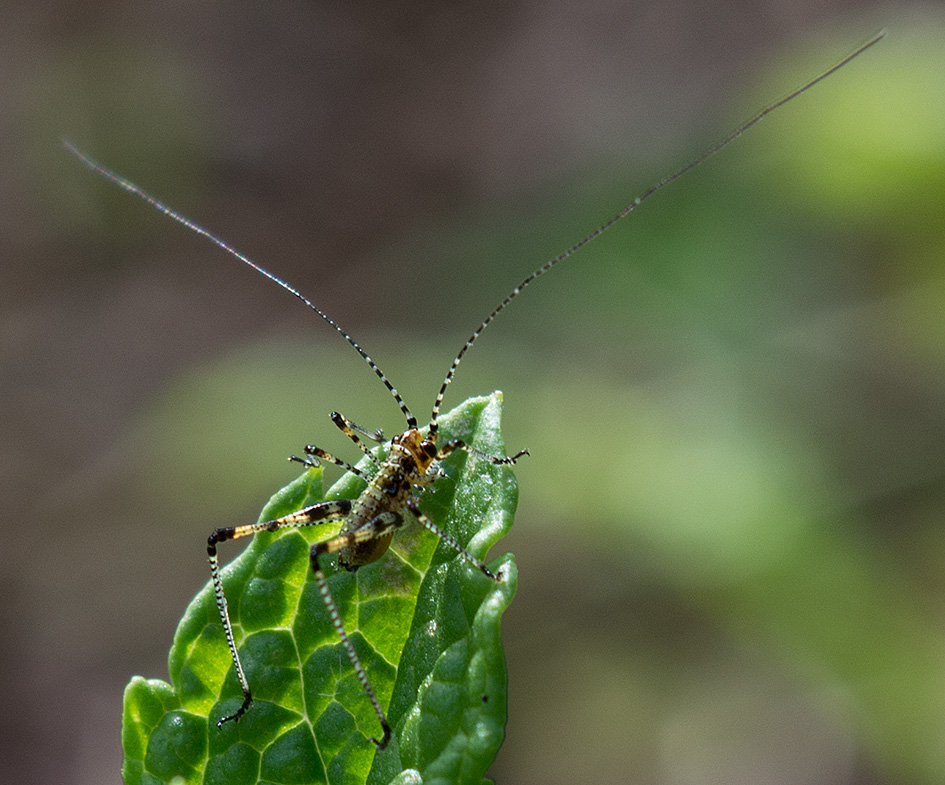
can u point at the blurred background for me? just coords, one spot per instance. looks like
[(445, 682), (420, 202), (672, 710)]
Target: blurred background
[(731, 532)]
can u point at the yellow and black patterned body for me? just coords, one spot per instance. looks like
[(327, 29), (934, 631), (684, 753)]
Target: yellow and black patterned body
[(389, 491)]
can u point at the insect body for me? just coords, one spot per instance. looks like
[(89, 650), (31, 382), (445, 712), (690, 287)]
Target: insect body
[(369, 523), (390, 499)]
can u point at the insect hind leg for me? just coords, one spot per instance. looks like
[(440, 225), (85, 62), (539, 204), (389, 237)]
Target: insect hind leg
[(323, 512), (348, 646), (358, 545)]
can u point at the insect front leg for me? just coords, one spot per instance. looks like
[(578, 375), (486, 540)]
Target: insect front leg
[(434, 472), (352, 429), (318, 454), (356, 548), (323, 512), (458, 444)]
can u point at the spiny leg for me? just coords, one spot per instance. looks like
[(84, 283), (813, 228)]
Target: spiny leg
[(352, 429), (380, 530), (323, 512), (458, 444), (353, 656), (450, 447), (414, 506), (343, 422), (319, 454)]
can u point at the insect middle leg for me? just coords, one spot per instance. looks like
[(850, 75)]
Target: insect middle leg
[(323, 512), (413, 505)]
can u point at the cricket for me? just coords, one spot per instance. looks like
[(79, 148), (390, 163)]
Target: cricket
[(392, 496)]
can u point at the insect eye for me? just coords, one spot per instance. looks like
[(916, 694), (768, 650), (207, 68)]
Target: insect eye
[(428, 447)]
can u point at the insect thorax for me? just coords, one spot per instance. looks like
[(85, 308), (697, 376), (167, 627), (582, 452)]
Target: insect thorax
[(389, 491)]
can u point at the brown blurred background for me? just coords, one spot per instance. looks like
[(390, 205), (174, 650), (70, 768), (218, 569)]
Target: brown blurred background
[(732, 527)]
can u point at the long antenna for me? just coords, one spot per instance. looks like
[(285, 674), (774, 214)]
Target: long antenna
[(160, 206), (630, 208)]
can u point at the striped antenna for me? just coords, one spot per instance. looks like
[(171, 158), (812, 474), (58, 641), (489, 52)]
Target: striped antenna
[(158, 205), (629, 209)]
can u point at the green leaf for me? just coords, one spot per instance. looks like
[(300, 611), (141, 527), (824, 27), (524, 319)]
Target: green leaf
[(425, 625)]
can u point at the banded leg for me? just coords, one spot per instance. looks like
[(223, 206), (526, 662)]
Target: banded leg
[(323, 512), (319, 454), (351, 430), (434, 473), (414, 506), (458, 444), (379, 530)]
